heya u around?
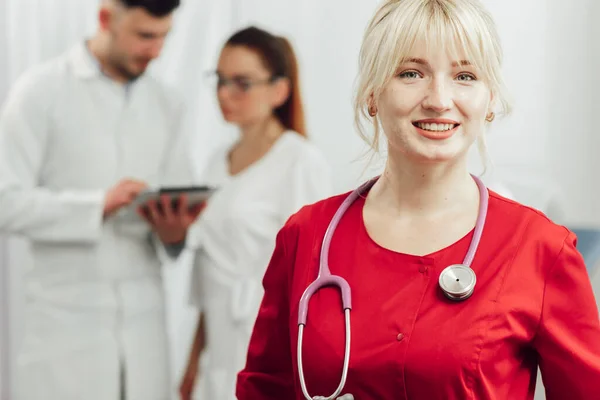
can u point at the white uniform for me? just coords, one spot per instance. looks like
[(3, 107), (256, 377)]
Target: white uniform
[(94, 309), (235, 238)]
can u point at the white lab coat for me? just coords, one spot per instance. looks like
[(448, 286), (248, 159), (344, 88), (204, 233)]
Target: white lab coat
[(94, 307), (234, 239)]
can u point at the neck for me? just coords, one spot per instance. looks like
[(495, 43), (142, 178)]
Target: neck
[(425, 189), (98, 46), (261, 134)]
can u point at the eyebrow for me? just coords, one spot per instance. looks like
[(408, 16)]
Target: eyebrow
[(424, 62), (243, 75), (152, 35)]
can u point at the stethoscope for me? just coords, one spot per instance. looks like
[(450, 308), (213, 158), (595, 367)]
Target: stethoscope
[(457, 281)]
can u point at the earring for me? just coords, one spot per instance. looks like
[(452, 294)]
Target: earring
[(372, 111), (490, 117)]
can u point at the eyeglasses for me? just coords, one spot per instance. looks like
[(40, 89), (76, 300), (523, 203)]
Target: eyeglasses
[(238, 84)]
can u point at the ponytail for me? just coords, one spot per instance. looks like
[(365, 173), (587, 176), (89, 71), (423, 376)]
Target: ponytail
[(291, 113)]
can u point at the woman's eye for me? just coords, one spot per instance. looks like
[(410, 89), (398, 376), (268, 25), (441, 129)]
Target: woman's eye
[(466, 77), (242, 84), (409, 75)]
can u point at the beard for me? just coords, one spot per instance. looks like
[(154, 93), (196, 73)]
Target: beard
[(121, 66)]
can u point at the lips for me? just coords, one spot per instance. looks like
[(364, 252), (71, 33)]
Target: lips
[(436, 129)]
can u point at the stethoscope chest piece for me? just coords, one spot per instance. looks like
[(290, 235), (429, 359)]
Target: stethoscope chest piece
[(457, 282)]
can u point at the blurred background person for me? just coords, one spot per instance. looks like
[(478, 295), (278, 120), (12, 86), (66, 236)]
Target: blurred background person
[(266, 175), (80, 136)]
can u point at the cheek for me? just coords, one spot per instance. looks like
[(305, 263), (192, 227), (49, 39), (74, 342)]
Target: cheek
[(142, 50), (257, 105), (398, 103), (473, 104), (247, 108), (396, 107)]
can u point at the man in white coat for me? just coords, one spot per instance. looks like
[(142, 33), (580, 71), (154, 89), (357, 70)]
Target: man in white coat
[(80, 137)]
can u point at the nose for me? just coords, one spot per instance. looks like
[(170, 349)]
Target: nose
[(223, 91), (155, 48), (225, 94), (439, 96)]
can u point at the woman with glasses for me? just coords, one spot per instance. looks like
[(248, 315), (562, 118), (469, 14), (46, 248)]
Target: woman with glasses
[(265, 176)]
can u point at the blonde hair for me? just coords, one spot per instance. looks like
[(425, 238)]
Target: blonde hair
[(463, 26)]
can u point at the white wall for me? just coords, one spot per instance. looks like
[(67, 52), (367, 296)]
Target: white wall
[(5, 359), (572, 90)]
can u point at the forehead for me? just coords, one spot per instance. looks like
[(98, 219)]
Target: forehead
[(437, 54), (240, 61)]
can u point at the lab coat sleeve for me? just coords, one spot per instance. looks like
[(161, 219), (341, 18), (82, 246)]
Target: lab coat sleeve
[(568, 337), (311, 181), (26, 207), (269, 373)]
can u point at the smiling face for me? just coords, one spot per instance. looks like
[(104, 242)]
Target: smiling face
[(432, 71), (435, 106)]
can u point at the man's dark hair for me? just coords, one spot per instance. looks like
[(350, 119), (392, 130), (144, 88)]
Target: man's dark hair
[(157, 8)]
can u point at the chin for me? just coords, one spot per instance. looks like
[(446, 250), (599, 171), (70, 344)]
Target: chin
[(228, 117), (433, 158), (434, 154), (444, 156), (452, 149), (132, 73)]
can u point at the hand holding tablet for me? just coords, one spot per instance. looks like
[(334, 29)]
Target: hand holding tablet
[(171, 210), (195, 195)]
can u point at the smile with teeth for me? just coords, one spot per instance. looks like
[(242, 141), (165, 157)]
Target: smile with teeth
[(435, 127)]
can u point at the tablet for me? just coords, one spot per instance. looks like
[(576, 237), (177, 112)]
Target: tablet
[(195, 195)]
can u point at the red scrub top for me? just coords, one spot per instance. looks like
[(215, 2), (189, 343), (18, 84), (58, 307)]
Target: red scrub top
[(533, 305)]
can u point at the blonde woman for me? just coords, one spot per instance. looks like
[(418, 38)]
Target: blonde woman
[(454, 292)]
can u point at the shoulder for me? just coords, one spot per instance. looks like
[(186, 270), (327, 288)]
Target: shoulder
[(531, 227), (215, 161), (533, 224), (166, 91), (310, 222), (168, 96), (301, 150), (40, 81), (306, 163)]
